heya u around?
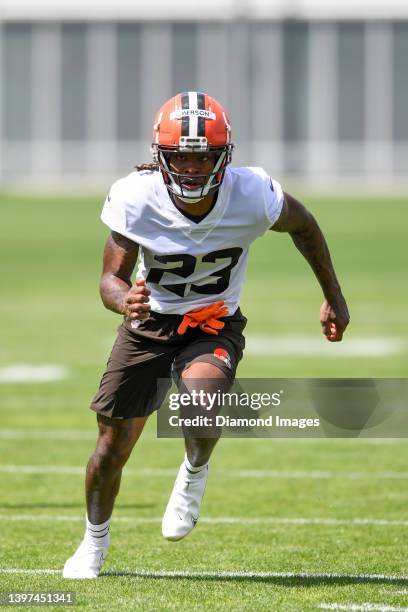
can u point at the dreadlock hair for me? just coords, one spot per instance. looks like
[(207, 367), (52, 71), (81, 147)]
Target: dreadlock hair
[(152, 166)]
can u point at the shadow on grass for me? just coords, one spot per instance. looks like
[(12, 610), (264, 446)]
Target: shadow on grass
[(277, 578)]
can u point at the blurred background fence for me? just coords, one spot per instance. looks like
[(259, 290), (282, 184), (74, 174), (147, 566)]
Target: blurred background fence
[(317, 91)]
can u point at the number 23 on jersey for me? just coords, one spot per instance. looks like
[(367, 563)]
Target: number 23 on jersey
[(188, 264)]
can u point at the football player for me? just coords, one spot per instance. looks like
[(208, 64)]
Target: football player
[(190, 218)]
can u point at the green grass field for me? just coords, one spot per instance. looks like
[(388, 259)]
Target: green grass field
[(285, 524)]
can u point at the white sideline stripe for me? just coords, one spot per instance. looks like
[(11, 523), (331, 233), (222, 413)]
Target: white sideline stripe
[(222, 574), (307, 347), (83, 434), (42, 469), (48, 434), (90, 434), (159, 472), (312, 474), (25, 373), (365, 606), (220, 520), (12, 570)]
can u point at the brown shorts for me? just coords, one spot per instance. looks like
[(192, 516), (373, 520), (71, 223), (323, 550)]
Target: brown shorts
[(154, 350)]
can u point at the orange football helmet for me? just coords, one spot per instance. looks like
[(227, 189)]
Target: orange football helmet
[(192, 122)]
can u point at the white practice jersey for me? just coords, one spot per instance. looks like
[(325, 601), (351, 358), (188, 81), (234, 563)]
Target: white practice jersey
[(186, 264)]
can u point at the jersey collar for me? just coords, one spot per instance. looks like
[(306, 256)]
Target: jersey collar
[(196, 231)]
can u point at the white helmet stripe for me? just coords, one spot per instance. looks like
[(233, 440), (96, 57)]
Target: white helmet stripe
[(192, 103)]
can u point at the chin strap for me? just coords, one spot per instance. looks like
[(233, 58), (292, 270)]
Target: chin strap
[(207, 319)]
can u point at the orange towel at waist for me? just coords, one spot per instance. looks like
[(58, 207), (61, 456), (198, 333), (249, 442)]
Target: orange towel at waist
[(206, 318)]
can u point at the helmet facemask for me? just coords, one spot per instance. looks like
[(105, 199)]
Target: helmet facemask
[(174, 180)]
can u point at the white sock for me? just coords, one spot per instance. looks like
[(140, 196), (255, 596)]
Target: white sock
[(192, 469), (97, 535)]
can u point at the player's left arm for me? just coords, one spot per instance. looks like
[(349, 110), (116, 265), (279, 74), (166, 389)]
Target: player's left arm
[(309, 240)]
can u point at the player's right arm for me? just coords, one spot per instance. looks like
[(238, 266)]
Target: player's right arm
[(116, 289)]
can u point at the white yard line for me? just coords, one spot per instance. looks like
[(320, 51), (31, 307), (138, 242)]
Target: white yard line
[(42, 469), (256, 345), (228, 574), (316, 346), (232, 473), (26, 373), (48, 434), (91, 434), (15, 570), (368, 607), (70, 434), (313, 474), (219, 520)]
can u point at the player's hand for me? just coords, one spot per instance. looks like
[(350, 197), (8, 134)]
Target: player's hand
[(334, 318), (136, 303)]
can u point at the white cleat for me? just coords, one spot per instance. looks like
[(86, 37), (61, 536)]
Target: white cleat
[(183, 507), (86, 562)]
